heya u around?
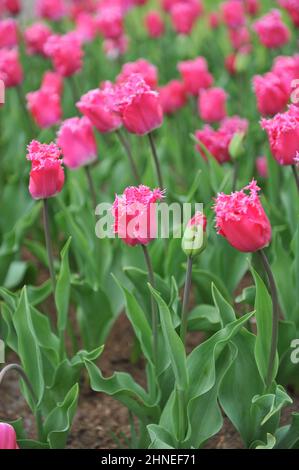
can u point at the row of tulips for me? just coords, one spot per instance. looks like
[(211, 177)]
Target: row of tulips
[(167, 288)]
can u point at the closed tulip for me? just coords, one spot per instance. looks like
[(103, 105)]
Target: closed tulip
[(8, 439)]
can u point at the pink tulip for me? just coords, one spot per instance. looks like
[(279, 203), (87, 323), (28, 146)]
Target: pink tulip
[(195, 75), (233, 13), (51, 9), (148, 71), (138, 105), (110, 21), (134, 215), (86, 27), (172, 96), (8, 33), (8, 438), (154, 24), (99, 106), (241, 219), (183, 17), (283, 135), (13, 6), (11, 71), (214, 20), (262, 166), (271, 30), (52, 82), (287, 69), (212, 104), (65, 52), (45, 107), (114, 48), (77, 142), (46, 175), (292, 7), (35, 37), (272, 93)]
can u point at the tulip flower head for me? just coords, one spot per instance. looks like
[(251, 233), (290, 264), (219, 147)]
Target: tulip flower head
[(8, 33), (241, 219), (154, 24), (8, 439), (134, 214), (172, 96), (35, 37), (195, 75), (212, 104), (13, 6), (11, 71), (138, 105), (77, 142), (271, 30), (148, 71), (47, 174), (233, 13), (99, 106), (110, 21), (52, 82), (65, 52), (272, 93), (283, 135), (194, 239), (262, 166), (52, 10), (45, 107)]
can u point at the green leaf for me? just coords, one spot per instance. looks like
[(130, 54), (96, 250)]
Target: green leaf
[(63, 287), (269, 444), (28, 349), (204, 318), (288, 436), (160, 437), (37, 294), (175, 347), (264, 313), (247, 296), (59, 421), (123, 388), (225, 310)]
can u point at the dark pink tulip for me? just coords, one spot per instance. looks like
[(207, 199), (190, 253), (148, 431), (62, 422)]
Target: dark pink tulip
[(272, 94), (51, 9), (45, 107), (35, 37), (110, 21), (212, 104), (241, 219), (77, 142), (86, 27), (239, 37), (271, 30), (114, 48), (13, 6), (233, 13), (65, 52), (172, 96), (292, 7), (8, 33), (195, 75), (154, 24), (8, 438), (183, 17), (148, 71), (287, 69), (11, 71), (52, 82), (262, 166), (214, 20), (46, 175)]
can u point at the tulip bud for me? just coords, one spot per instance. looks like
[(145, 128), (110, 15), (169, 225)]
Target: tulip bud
[(8, 439), (236, 147), (195, 237)]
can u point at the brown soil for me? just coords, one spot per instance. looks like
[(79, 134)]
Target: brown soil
[(99, 417)]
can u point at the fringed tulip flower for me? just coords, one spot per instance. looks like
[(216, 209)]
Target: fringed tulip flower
[(47, 174), (240, 38), (217, 142), (148, 71), (183, 17), (52, 10), (271, 30), (52, 82), (99, 106), (271, 92), (110, 21), (241, 219), (287, 69), (35, 37), (154, 24), (8, 33), (195, 75), (262, 166), (252, 7), (45, 107), (86, 27), (172, 96), (77, 142), (212, 104), (65, 52), (11, 71), (8, 438), (134, 214), (233, 13), (139, 106), (283, 135)]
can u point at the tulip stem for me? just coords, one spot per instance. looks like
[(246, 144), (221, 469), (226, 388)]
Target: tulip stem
[(187, 289), (49, 243), (21, 372), (235, 176), (151, 278), (126, 145), (156, 160), (275, 317), (91, 185), (296, 176)]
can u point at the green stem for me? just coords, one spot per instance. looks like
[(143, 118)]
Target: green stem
[(235, 176), (275, 317), (153, 304), (296, 176), (49, 243), (187, 289), (156, 160), (181, 416), (21, 372), (126, 145), (91, 186)]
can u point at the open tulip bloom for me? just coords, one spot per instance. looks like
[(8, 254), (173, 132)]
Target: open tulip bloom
[(149, 230)]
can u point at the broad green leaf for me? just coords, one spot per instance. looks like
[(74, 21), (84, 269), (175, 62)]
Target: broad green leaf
[(268, 445), (204, 318), (287, 437), (175, 347), (63, 287), (160, 437), (36, 295), (225, 310)]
